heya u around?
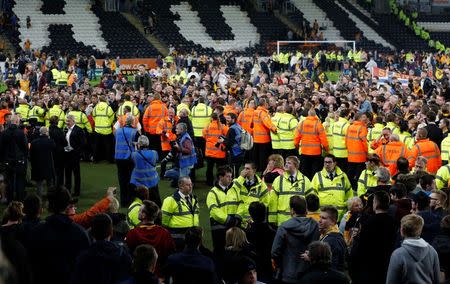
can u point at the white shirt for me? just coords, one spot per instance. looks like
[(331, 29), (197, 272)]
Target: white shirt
[(69, 131)]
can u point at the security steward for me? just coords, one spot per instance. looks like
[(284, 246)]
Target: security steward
[(368, 177), (216, 201), (426, 148), (180, 211), (389, 153), (291, 183), (103, 138), (156, 111), (57, 111), (248, 187), (332, 185)]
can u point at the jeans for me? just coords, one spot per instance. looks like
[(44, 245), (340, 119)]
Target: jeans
[(175, 173), (91, 74)]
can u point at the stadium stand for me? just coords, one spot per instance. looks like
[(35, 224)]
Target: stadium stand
[(79, 27), (346, 24)]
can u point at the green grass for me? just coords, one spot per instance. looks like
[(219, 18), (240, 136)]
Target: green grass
[(96, 178), (333, 76)]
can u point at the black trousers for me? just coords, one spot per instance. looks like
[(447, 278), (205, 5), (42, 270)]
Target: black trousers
[(124, 170), (155, 143), (16, 172), (153, 195), (286, 153), (310, 164), (342, 163), (72, 166), (103, 147), (261, 151), (218, 240), (163, 164), (210, 162), (354, 171)]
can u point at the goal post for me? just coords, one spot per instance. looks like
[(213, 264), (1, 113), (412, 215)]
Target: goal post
[(336, 42)]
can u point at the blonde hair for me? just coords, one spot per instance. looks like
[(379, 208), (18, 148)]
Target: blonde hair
[(114, 206), (278, 159), (411, 226), (235, 239)]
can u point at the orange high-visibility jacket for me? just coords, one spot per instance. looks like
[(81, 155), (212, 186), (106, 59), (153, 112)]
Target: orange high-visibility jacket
[(430, 151), (165, 126), (390, 153), (356, 142), (211, 133), (153, 114), (245, 119), (262, 125), (229, 109), (3, 112), (310, 136)]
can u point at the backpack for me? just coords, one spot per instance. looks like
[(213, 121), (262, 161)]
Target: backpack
[(246, 141)]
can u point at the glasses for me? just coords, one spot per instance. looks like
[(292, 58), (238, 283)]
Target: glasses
[(328, 162)]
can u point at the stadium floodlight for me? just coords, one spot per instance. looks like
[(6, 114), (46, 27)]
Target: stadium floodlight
[(335, 42)]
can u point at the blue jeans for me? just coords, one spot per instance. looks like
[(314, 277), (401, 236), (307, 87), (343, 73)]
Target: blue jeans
[(175, 173), (91, 74)]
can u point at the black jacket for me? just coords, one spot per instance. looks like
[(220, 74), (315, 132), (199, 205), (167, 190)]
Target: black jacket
[(14, 145), (57, 135), (143, 81), (77, 139), (261, 236), (103, 263), (338, 250), (190, 267), (435, 133), (41, 158), (373, 248), (318, 274), (54, 247), (432, 221), (142, 278), (16, 253), (441, 244)]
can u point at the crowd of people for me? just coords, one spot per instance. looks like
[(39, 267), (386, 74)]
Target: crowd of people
[(311, 181)]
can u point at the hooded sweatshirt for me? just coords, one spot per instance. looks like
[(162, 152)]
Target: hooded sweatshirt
[(414, 262), (103, 263), (291, 240)]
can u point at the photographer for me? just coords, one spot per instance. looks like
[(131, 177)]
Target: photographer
[(185, 151), (14, 152)]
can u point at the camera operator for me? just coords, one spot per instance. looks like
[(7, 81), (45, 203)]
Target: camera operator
[(14, 152), (232, 143), (185, 151)]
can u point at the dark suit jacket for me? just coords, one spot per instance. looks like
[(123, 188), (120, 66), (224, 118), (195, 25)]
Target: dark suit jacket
[(435, 134), (57, 135), (77, 140), (41, 158)]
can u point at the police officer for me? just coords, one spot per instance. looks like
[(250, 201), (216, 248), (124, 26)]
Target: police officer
[(103, 138)]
